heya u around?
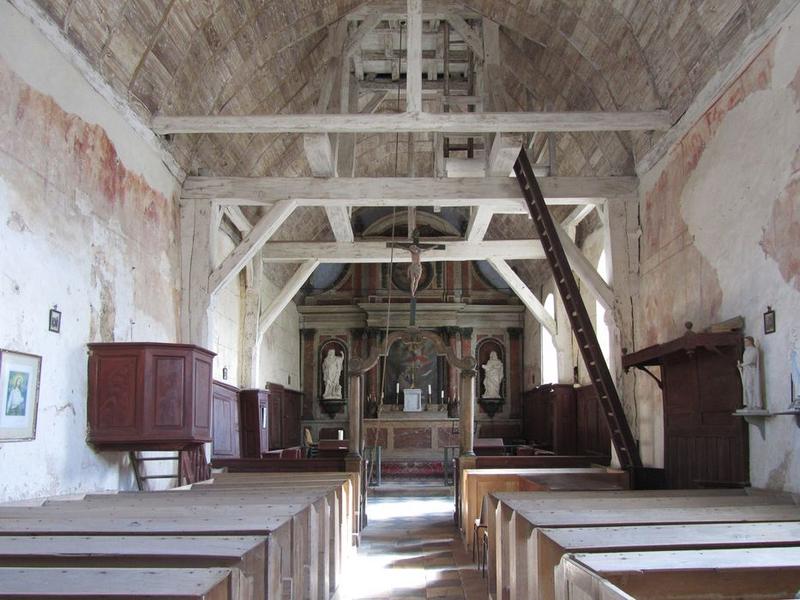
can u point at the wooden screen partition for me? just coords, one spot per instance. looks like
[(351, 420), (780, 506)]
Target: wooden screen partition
[(704, 444), (591, 436), (225, 428)]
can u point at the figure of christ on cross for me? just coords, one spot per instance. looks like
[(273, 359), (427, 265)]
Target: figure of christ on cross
[(415, 268)]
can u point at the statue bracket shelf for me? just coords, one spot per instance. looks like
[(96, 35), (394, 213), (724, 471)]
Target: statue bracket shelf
[(332, 407), (491, 405), (757, 417)]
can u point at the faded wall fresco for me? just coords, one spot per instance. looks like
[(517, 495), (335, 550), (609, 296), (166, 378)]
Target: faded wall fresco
[(82, 229), (721, 237)]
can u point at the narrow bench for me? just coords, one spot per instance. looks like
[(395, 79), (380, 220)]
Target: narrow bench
[(133, 584), (683, 574)]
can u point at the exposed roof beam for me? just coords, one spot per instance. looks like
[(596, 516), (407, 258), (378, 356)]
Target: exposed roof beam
[(507, 122), (479, 222), (396, 10), (524, 294), (586, 271), (465, 30), (252, 243), (576, 216), (239, 220), (503, 154), (285, 296), (414, 57), (353, 43), (501, 193), (377, 252)]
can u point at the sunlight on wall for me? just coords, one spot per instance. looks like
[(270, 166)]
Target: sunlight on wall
[(549, 353)]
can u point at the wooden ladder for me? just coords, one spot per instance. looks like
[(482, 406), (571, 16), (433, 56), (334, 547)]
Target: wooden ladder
[(191, 466), (139, 473), (582, 328)]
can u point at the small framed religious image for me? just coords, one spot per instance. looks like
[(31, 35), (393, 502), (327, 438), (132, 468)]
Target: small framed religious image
[(55, 320), (769, 320), (19, 395)]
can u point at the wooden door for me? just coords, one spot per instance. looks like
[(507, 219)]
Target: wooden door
[(704, 444)]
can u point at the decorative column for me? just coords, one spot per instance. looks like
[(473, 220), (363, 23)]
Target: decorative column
[(309, 367), (467, 413), (354, 414), (373, 345), (514, 386)]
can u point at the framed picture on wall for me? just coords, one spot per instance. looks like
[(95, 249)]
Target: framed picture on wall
[(19, 394)]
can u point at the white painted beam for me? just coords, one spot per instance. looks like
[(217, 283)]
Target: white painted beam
[(524, 294), (353, 43), (252, 243), (576, 216), (470, 36), (503, 155), (418, 122), (241, 222), (396, 10), (377, 252), (586, 271), (319, 154), (479, 222), (502, 193), (339, 219), (414, 57), (282, 300)]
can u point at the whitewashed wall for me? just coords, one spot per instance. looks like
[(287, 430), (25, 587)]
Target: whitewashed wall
[(279, 355), (720, 217), (87, 222), (227, 320)]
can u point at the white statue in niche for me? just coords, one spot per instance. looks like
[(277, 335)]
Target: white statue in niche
[(794, 365), (492, 376), (750, 373), (331, 374)]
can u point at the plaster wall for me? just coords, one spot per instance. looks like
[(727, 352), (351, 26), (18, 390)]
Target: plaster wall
[(88, 222), (720, 218), (227, 319), (279, 354)]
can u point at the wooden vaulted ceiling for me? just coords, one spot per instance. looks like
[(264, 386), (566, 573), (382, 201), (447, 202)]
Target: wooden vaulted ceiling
[(240, 57)]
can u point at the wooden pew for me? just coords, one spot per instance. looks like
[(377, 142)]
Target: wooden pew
[(121, 584), (514, 536), (549, 461), (478, 483), (516, 520), (548, 546), (684, 574), (245, 556)]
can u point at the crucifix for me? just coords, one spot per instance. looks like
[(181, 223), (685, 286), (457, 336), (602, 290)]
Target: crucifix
[(415, 268)]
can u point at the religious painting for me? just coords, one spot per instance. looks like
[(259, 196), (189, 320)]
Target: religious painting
[(19, 385), (411, 366)]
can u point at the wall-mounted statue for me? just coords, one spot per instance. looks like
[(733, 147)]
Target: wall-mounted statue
[(332, 374), (492, 377), (794, 365), (750, 373)]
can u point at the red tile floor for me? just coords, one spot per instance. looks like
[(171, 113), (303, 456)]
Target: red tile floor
[(411, 549)]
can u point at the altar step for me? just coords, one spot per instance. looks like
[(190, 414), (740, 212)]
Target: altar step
[(401, 469)]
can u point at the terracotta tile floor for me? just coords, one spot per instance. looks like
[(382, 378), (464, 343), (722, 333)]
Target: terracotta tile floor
[(411, 549)]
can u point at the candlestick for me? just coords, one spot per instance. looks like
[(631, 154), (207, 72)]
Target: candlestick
[(429, 390), (442, 395), (398, 387)]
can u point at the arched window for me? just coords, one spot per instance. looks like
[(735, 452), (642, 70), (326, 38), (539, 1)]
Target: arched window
[(603, 334), (549, 353)]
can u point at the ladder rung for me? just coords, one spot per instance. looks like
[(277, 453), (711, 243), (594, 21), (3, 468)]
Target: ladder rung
[(140, 458), (158, 476)]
